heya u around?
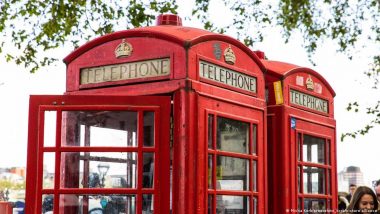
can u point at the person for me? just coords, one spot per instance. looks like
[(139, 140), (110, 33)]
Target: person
[(342, 202), (363, 201), (351, 189), (377, 189), (2, 195)]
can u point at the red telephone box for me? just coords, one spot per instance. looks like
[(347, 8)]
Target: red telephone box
[(156, 119), (301, 140)]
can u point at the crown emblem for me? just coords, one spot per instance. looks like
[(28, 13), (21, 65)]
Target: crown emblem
[(309, 83), (229, 56), (124, 49)]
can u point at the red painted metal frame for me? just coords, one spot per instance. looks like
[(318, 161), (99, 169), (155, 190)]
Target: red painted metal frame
[(327, 132), (283, 155), (282, 139), (40, 104), (184, 46), (250, 157), (177, 41), (283, 70), (183, 36), (184, 157), (252, 115)]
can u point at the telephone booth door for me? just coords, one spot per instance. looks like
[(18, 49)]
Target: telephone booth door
[(315, 155), (235, 177), (98, 154)]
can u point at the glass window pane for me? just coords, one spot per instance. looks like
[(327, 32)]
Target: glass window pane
[(147, 204), (209, 204), (313, 149), (50, 123), (254, 176), (232, 135), (210, 130), (299, 204), (299, 179), (148, 170), (254, 205), (328, 182), (328, 152), (99, 169), (49, 170), (47, 203), (313, 180), (233, 173), (254, 139), (232, 204), (299, 137), (149, 129), (314, 205), (71, 203), (210, 171), (99, 128)]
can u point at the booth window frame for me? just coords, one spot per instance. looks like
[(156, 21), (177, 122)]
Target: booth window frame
[(250, 195), (57, 190), (326, 167)]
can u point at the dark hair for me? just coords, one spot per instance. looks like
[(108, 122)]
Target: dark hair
[(352, 185), (47, 204), (93, 180), (377, 183), (359, 192)]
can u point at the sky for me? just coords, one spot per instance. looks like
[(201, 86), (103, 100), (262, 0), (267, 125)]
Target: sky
[(345, 76)]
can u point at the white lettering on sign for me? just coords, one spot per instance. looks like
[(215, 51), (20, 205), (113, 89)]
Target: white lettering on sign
[(308, 101), (226, 76), (126, 71)]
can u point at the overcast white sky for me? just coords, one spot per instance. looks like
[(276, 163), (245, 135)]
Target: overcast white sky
[(345, 76)]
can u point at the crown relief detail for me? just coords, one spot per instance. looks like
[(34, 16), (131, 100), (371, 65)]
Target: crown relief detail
[(124, 49), (229, 56), (309, 83)]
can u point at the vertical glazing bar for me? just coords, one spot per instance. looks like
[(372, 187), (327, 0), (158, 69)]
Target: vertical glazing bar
[(300, 140), (326, 162), (210, 162), (300, 165), (157, 164), (86, 166), (250, 170), (140, 138), (57, 161), (214, 133), (40, 160)]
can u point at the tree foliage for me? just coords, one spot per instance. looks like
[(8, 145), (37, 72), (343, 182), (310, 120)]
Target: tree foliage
[(35, 26), (344, 21), (6, 184)]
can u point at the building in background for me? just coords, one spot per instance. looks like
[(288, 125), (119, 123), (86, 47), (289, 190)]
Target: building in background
[(349, 175), (14, 174), (21, 171)]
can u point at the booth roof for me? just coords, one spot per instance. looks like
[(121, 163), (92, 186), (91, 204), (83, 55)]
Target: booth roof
[(184, 36), (282, 70)]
